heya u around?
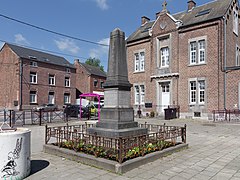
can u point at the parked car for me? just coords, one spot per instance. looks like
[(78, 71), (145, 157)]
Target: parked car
[(47, 107), (74, 110)]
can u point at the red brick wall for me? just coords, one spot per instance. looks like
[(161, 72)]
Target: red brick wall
[(10, 76)]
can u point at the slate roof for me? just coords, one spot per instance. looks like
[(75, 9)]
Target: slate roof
[(94, 70), (212, 10), (39, 56)]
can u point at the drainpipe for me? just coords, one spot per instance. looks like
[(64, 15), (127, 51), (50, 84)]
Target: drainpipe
[(225, 63), (20, 80)]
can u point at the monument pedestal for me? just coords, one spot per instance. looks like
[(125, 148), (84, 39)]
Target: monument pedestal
[(117, 122)]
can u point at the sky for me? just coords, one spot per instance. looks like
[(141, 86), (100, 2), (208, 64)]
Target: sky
[(90, 20)]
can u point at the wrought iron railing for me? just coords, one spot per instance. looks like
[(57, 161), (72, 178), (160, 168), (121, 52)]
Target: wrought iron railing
[(77, 138), (226, 115)]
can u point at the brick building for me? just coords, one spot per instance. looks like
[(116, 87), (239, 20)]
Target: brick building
[(190, 59), (31, 78), (90, 79)]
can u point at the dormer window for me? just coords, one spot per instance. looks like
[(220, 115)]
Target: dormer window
[(68, 70), (32, 57), (33, 64)]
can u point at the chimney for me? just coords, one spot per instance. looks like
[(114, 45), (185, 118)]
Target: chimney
[(145, 20), (191, 4), (76, 61)]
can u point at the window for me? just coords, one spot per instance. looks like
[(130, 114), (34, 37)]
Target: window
[(102, 84), (67, 81), (139, 61), (33, 64), (201, 51), (164, 57), (197, 92), (197, 53), (33, 97), (51, 98), (68, 70), (193, 92), (142, 96), (139, 94), (67, 98), (237, 56), (51, 79), (201, 86), (33, 77), (235, 21), (193, 52), (95, 83), (136, 94)]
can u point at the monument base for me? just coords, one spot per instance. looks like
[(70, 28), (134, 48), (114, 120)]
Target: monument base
[(117, 122), (116, 133)]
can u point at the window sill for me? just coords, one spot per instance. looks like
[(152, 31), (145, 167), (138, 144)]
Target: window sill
[(53, 85), (166, 67), (138, 72), (33, 83), (199, 64)]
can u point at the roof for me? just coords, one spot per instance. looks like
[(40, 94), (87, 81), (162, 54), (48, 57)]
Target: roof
[(94, 70), (199, 14), (39, 56)]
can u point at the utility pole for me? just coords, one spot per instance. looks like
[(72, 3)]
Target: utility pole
[(20, 80)]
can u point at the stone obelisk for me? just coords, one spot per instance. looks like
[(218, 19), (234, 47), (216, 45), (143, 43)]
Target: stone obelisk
[(117, 116)]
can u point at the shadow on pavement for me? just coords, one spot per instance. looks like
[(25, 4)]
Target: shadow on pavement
[(38, 165)]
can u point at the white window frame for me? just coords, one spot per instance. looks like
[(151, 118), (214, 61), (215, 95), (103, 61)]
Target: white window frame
[(237, 55), (164, 52), (51, 94), (235, 21), (197, 51), (142, 94), (33, 96), (51, 79), (33, 64), (193, 92), (67, 81), (95, 83), (201, 91), (68, 70), (193, 52), (142, 61), (201, 50), (136, 94), (139, 61), (139, 94), (197, 92), (67, 98), (33, 77)]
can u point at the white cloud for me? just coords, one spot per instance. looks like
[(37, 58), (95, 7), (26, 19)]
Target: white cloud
[(102, 4), (19, 39), (67, 45), (100, 51)]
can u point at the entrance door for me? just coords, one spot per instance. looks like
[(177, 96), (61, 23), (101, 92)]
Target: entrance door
[(165, 96)]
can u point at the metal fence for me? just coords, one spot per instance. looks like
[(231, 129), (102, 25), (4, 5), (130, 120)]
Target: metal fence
[(38, 117), (226, 115), (76, 137)]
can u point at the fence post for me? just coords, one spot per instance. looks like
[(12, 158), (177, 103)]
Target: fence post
[(120, 159), (46, 134), (10, 118), (184, 133), (40, 117)]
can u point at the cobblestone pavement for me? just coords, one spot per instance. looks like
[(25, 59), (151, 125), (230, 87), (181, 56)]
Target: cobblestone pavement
[(213, 153)]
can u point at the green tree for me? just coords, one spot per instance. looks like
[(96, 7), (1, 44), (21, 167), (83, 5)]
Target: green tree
[(95, 62)]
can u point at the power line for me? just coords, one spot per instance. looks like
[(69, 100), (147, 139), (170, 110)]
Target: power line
[(43, 50), (50, 31)]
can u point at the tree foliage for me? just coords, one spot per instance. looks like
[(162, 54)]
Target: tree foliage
[(95, 62)]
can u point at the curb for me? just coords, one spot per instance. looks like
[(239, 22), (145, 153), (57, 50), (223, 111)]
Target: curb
[(109, 165)]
